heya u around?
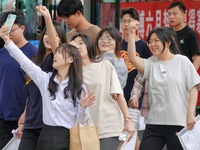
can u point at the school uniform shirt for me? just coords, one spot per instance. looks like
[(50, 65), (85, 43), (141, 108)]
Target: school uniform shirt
[(57, 112), (101, 78), (169, 85)]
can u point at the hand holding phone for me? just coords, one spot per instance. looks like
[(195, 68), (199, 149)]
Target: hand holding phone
[(10, 21)]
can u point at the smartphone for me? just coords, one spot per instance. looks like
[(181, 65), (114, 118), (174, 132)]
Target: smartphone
[(10, 21)]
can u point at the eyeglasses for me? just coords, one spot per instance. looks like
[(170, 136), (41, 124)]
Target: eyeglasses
[(151, 42), (108, 39), (127, 21), (13, 30)]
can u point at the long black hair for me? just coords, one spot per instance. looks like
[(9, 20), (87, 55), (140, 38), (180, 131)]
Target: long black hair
[(89, 45), (74, 87), (39, 57)]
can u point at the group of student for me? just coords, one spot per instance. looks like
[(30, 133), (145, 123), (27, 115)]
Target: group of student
[(94, 72)]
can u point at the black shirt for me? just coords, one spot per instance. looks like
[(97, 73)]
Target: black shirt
[(189, 42), (34, 101)]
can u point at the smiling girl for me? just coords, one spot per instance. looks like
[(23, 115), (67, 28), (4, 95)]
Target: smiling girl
[(63, 93), (172, 86)]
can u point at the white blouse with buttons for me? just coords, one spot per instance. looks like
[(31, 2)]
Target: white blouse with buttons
[(58, 111)]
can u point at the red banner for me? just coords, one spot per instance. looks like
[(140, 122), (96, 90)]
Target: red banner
[(154, 14)]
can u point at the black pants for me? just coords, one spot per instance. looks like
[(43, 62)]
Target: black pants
[(6, 128), (53, 138), (156, 136), (29, 139)]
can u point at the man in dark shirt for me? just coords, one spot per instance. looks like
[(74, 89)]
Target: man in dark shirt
[(187, 38), (12, 91)]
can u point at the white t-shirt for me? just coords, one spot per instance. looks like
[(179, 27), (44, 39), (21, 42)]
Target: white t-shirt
[(169, 86), (101, 78)]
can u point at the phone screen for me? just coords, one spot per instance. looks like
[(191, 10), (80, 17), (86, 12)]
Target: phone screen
[(10, 21)]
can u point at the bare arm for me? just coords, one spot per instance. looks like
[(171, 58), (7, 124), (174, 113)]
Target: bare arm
[(136, 61), (123, 106), (196, 61), (191, 107), (21, 122), (49, 25)]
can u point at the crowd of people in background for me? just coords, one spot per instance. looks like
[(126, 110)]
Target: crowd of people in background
[(92, 72)]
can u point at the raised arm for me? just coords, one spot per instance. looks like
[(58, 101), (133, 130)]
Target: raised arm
[(137, 62), (49, 25), (35, 72)]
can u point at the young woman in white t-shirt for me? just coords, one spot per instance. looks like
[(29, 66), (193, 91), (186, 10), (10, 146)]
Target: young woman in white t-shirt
[(172, 86), (107, 112)]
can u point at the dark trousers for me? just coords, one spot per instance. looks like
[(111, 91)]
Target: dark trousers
[(29, 139), (156, 136), (111, 143), (6, 128), (53, 138)]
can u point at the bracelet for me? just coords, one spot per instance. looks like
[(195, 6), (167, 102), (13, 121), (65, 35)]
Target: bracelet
[(127, 118), (21, 123)]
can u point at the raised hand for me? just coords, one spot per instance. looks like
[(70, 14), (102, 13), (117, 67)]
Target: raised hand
[(87, 100), (134, 25), (4, 34), (52, 34), (43, 10)]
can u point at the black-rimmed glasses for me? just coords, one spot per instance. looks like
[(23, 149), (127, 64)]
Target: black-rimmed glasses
[(13, 30)]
